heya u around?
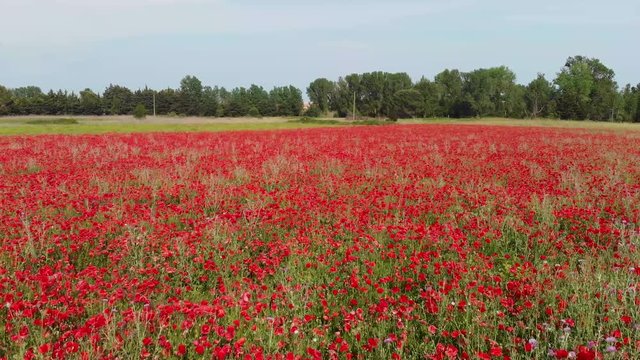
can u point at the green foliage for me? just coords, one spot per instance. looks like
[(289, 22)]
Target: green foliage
[(254, 112), (450, 85), (586, 90), (260, 102), (90, 103), (238, 103), (538, 96), (191, 94), (210, 101), (321, 92), (409, 103), (313, 111), (345, 91), (372, 90), (394, 82), (431, 94), (255, 101), (5, 101), (144, 97), (374, 122), (168, 102), (117, 100), (286, 101), (636, 118), (308, 120), (374, 94), (62, 121), (515, 104), (28, 100), (28, 92), (628, 104), (140, 111), (491, 92)]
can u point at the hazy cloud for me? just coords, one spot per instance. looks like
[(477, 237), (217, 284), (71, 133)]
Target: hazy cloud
[(77, 43), (68, 21)]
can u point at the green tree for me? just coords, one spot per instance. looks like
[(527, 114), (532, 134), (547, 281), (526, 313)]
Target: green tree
[(450, 84), (347, 89), (28, 100), (117, 100), (409, 103), (394, 82), (430, 92), (636, 118), (5, 101), (313, 111), (210, 101), (254, 112), (259, 99), (372, 90), (538, 96), (286, 100), (374, 93), (586, 90), (73, 104), (238, 104), (295, 103), (628, 103), (90, 103), (191, 95), (515, 103), (144, 97), (491, 92), (140, 111), (27, 92), (59, 103), (224, 97), (321, 92), (56, 103), (167, 102)]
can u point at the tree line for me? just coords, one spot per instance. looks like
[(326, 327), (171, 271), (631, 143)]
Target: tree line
[(583, 89), (191, 99)]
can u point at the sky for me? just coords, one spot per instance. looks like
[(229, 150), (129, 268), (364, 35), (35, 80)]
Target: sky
[(77, 44)]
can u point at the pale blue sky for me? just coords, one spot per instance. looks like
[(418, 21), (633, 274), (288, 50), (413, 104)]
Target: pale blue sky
[(73, 44)]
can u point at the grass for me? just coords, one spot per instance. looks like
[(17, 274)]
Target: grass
[(93, 128), (96, 125), (322, 121), (308, 120), (570, 124), (62, 121)]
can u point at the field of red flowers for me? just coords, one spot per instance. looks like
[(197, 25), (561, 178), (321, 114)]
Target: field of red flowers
[(391, 242)]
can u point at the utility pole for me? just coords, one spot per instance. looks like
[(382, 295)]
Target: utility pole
[(154, 103), (354, 106)]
